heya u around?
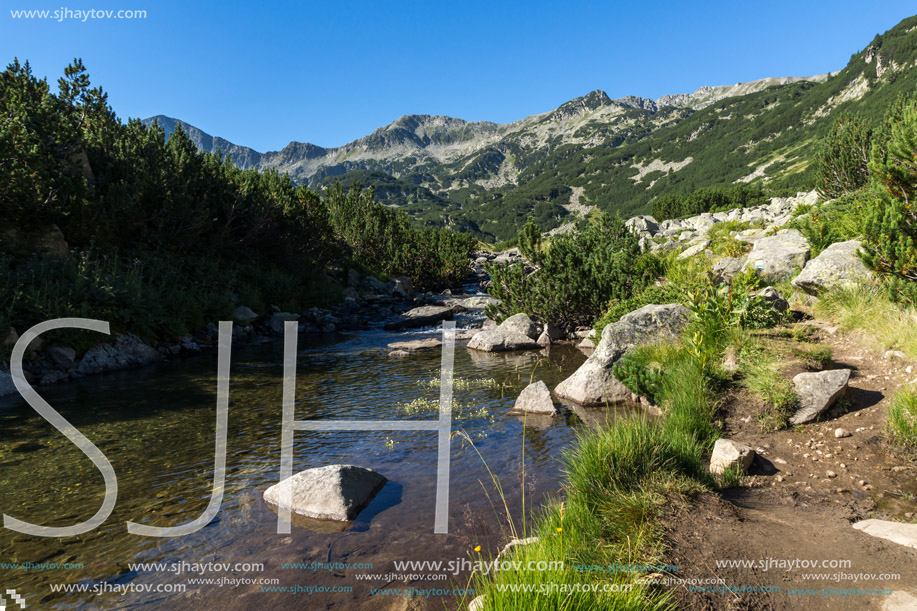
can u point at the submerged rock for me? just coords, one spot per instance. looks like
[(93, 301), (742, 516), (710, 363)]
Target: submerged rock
[(416, 344), (817, 392), (594, 383), (424, 316), (334, 492), (836, 267)]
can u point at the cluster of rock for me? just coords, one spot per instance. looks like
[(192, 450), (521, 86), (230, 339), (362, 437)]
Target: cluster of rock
[(367, 300), (692, 231)]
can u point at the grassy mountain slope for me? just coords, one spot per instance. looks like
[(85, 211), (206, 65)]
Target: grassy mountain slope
[(616, 155)]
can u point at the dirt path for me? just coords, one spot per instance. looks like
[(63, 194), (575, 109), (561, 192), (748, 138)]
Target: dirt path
[(805, 489)]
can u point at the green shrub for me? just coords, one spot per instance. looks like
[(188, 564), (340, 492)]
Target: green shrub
[(714, 199), (576, 276), (639, 374), (890, 227), (838, 220), (841, 163)]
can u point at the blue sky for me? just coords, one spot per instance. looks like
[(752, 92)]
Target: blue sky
[(264, 73)]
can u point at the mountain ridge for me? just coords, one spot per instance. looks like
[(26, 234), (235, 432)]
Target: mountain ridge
[(593, 152)]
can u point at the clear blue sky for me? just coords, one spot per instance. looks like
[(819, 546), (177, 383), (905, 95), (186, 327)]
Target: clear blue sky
[(264, 73)]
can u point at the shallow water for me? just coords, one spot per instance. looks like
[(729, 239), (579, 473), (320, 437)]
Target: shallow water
[(156, 426)]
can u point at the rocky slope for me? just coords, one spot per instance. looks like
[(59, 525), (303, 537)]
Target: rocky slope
[(614, 154)]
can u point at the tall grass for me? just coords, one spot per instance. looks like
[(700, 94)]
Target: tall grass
[(902, 418), (869, 310), (617, 480)]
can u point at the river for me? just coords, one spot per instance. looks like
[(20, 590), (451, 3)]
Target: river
[(156, 426)]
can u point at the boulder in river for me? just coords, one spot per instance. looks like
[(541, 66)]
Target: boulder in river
[(244, 315), (423, 316), (517, 332), (535, 399), (837, 266), (594, 383), (416, 344), (334, 492), (817, 392)]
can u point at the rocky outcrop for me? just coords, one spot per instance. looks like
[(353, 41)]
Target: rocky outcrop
[(729, 267), (535, 399), (334, 492), (594, 383), (837, 266), (517, 332), (778, 257), (278, 320), (817, 392), (127, 352), (729, 454)]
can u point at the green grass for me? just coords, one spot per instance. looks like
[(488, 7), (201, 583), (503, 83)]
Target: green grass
[(760, 369), (902, 418), (869, 310), (617, 481), (815, 357)]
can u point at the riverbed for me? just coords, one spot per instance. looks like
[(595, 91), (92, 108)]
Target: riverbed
[(156, 426)]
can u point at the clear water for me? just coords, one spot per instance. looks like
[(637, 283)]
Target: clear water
[(156, 426)]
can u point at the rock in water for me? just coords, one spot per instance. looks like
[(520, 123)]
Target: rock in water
[(593, 383), (728, 454), (535, 399), (817, 392), (836, 267), (517, 332), (335, 492), (423, 316), (778, 257)]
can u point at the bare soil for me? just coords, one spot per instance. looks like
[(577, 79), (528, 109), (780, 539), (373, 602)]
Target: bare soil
[(803, 492)]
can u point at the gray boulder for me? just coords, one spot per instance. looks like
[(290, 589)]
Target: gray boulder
[(837, 266), (335, 492), (697, 249), (728, 454), (729, 267), (63, 357), (278, 320), (643, 225), (423, 316), (127, 352), (517, 332), (535, 399), (244, 315), (521, 323), (817, 392), (778, 257), (772, 297), (593, 383)]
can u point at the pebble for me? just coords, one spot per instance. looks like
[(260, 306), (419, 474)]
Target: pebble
[(779, 461), (831, 474), (841, 433)]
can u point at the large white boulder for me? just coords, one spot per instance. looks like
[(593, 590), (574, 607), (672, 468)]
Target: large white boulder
[(335, 492)]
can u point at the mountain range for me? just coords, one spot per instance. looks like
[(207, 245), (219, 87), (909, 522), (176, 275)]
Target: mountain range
[(594, 151)]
